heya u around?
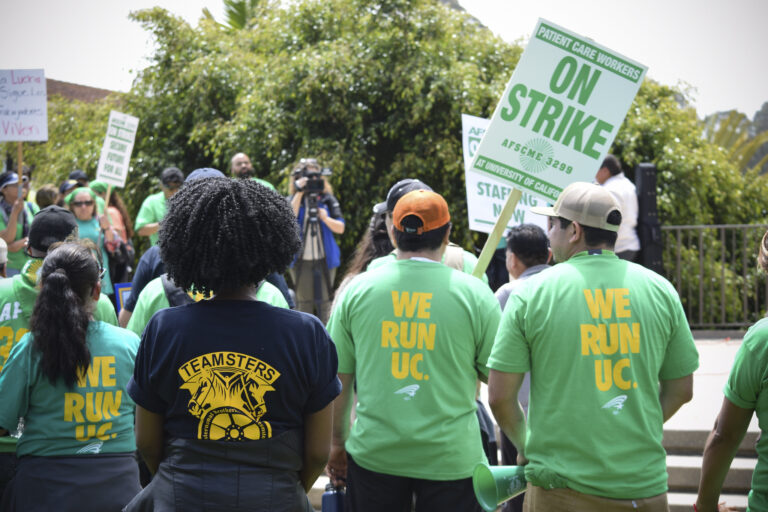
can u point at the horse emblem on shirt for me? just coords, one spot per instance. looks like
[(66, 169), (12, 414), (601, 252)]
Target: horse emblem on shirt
[(227, 395)]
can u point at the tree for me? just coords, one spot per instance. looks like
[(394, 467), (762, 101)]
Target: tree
[(375, 90)]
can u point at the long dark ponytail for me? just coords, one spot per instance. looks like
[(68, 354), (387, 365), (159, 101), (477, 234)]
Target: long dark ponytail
[(62, 311)]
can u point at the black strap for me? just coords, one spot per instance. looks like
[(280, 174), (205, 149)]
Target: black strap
[(176, 296)]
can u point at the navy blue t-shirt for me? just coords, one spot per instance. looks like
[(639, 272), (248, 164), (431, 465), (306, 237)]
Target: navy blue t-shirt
[(234, 370)]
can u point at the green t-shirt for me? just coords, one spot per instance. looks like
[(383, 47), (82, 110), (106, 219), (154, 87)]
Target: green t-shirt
[(94, 416), (264, 183), (91, 230), (153, 298), (745, 386), (415, 334), (469, 262), (152, 210), (17, 259), (17, 300), (597, 334)]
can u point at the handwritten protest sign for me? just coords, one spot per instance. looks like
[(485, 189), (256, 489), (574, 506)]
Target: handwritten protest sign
[(559, 114), (116, 152), (23, 105), (486, 195)]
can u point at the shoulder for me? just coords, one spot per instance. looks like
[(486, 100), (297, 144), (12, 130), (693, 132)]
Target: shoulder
[(115, 336), (381, 260)]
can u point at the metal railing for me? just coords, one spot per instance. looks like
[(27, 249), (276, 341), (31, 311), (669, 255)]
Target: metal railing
[(713, 268)]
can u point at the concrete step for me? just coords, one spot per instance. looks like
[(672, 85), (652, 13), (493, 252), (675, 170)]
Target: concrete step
[(691, 442), (683, 502), (685, 471)]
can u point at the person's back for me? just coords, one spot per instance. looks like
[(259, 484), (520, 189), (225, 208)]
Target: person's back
[(611, 358), (413, 336), (602, 363), (417, 331), (66, 378)]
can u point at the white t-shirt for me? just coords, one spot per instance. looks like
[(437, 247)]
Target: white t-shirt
[(626, 194)]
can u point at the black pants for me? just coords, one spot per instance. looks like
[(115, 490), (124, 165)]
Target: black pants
[(368, 491)]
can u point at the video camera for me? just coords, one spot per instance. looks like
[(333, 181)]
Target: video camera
[(310, 169)]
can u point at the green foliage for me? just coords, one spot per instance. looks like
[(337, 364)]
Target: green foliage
[(374, 90)]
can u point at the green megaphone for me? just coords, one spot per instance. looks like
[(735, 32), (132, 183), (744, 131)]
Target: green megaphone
[(496, 484)]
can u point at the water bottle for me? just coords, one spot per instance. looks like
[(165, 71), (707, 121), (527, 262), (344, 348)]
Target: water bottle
[(333, 499)]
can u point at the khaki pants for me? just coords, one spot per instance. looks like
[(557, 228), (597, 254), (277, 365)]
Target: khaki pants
[(305, 289), (568, 500)]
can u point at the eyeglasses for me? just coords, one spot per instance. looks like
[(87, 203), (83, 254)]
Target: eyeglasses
[(82, 203), (102, 271)]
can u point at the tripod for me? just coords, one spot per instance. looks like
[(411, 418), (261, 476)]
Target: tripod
[(314, 253)]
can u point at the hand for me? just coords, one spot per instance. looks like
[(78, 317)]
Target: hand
[(322, 213), (521, 459), (103, 221), (336, 468), (18, 205), (300, 184)]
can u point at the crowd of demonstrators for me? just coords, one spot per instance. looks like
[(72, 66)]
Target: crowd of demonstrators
[(319, 218), (279, 389), (604, 342), (66, 359)]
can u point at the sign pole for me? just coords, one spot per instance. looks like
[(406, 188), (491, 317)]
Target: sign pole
[(20, 164), (109, 193), (498, 230)]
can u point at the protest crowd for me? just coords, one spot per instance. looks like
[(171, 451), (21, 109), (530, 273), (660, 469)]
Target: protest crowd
[(222, 385)]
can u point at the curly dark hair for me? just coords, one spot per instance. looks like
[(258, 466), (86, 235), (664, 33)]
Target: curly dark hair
[(220, 234), (62, 311)]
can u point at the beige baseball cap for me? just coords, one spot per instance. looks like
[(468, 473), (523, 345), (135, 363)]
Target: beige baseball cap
[(585, 203)]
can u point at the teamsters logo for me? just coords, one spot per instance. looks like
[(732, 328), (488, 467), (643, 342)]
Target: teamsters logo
[(227, 391)]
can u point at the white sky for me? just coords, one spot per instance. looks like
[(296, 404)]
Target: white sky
[(716, 46)]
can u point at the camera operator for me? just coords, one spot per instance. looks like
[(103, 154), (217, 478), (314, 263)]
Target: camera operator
[(319, 217)]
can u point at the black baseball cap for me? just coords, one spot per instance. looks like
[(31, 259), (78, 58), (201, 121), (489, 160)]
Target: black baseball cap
[(51, 224), (204, 172), (77, 174), (397, 191), (171, 175), (67, 186)]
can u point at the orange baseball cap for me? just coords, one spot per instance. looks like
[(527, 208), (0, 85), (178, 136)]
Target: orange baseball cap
[(427, 206)]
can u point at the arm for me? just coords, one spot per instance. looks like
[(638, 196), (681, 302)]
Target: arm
[(337, 464), (149, 437), (503, 388), (123, 317), (148, 229), (9, 233), (336, 226), (317, 440), (674, 393), (722, 443)]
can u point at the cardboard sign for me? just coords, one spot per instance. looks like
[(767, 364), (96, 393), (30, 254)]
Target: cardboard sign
[(23, 105), (116, 152), (559, 114), (486, 194)]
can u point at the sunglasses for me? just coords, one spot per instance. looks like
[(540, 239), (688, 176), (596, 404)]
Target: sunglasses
[(82, 203)]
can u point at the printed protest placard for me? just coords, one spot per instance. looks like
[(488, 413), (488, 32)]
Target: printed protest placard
[(486, 194), (559, 114), (116, 152), (23, 105)]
